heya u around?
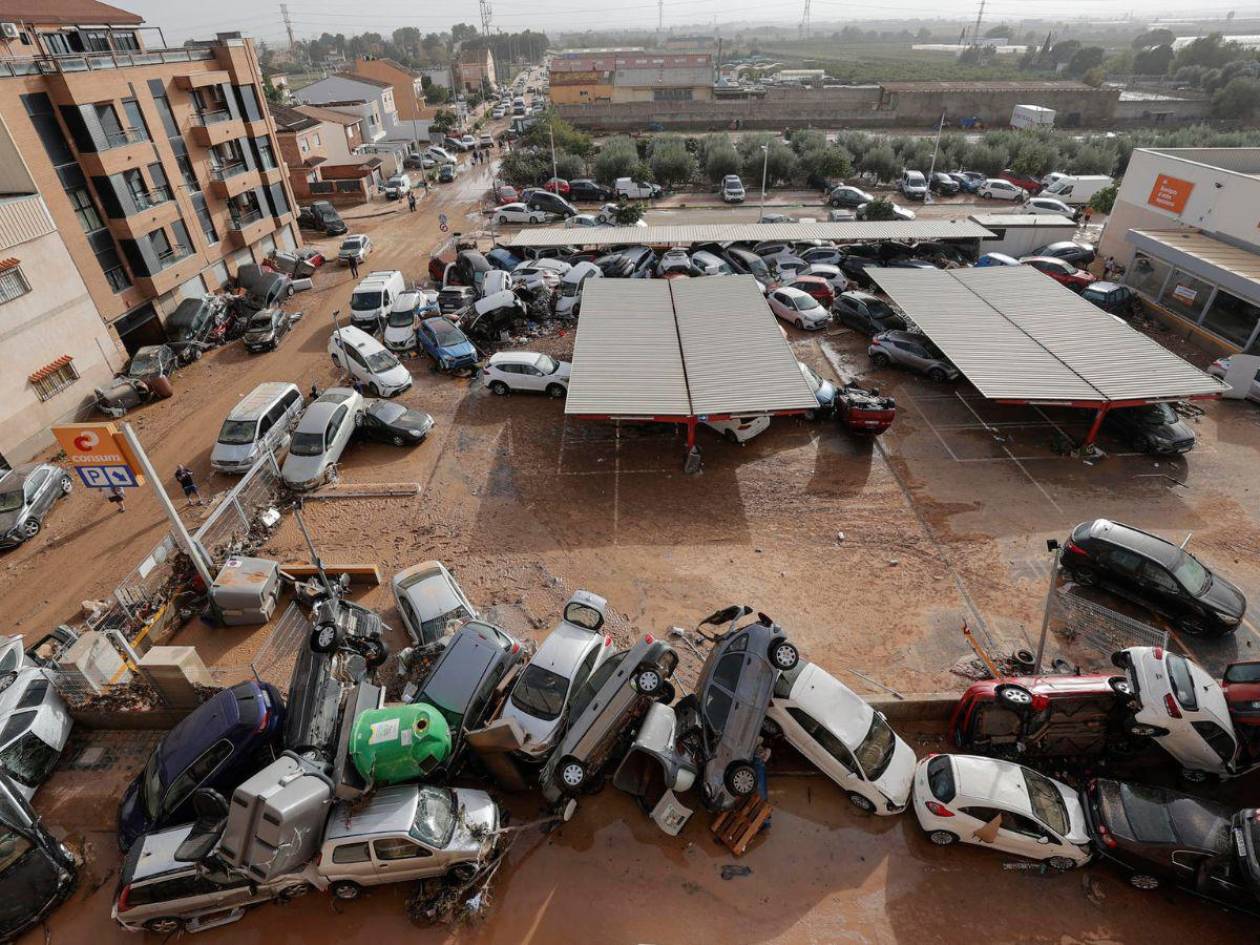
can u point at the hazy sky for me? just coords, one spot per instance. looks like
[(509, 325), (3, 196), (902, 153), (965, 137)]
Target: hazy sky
[(182, 19)]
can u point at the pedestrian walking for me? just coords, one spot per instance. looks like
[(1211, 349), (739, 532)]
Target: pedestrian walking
[(411, 201), (184, 476), (1087, 216), (354, 268), (118, 497)]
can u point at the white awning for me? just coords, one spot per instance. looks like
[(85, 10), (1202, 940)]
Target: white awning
[(736, 232)]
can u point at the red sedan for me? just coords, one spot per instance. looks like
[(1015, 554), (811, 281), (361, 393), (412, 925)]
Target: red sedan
[(557, 186), (1061, 271), (816, 286)]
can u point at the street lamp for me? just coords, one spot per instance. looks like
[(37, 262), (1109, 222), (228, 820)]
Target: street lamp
[(765, 164)]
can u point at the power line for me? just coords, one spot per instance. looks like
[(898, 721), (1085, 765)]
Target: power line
[(485, 17)]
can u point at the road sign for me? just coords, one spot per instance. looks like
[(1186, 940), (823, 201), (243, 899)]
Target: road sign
[(107, 477), (100, 446)]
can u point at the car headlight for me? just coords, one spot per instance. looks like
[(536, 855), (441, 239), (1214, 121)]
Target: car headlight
[(1227, 618), (415, 434)]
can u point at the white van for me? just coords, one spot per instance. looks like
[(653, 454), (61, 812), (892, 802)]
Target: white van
[(409, 308), (373, 299), (1077, 191), (259, 423), (571, 287), (398, 186), (633, 189), (368, 362)]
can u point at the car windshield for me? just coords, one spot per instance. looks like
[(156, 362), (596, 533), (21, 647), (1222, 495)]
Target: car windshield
[(435, 817), (401, 319), (11, 500), (237, 432), (879, 308), (804, 303), (144, 363), (29, 759), (446, 333), (1181, 681), (352, 244), (1047, 802), (1157, 415), (434, 627), (1191, 575), (365, 301), (307, 444), (540, 692), (381, 361), (877, 748), (546, 365), (260, 321)]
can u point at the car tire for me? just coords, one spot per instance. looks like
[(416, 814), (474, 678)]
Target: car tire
[(30, 528), (943, 838), (1120, 685), (1121, 659), (571, 774), (783, 655), (397, 440), (1061, 863), (499, 388), (345, 890), (811, 414), (374, 653), (1144, 881), (374, 390), (195, 356), (556, 391), (740, 778), (880, 360), (937, 375), (464, 872), (325, 638), (862, 802), (1194, 776), (1083, 576), (1193, 626), (1016, 698), (166, 925), (500, 220), (648, 680), (67, 485), (731, 437)]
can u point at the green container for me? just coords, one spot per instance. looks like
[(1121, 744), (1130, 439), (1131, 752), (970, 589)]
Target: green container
[(399, 742)]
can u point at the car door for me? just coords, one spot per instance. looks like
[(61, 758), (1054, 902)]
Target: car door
[(817, 743), (780, 304), (1121, 570), (337, 433), (400, 858), (1023, 835), (1161, 589), (35, 493), (531, 378), (428, 340)]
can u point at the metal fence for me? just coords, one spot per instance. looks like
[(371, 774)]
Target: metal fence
[(233, 525), (1081, 622)]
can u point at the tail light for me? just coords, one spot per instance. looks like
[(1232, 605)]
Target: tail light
[(649, 639), (940, 810), (122, 905), (516, 648), (1158, 653), (1170, 704), (1040, 703), (1108, 840), (262, 722), (1073, 548), (608, 640)]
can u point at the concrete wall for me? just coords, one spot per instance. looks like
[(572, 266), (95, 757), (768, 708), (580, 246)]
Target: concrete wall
[(1162, 111), (1074, 107), (55, 318)]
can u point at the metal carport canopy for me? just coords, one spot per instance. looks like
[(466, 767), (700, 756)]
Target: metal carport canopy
[(683, 350), (682, 235), (1019, 336)]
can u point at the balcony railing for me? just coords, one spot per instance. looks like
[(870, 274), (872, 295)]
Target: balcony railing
[(211, 116), (242, 219), (173, 255), (225, 171), (153, 198), (120, 139), (84, 62)]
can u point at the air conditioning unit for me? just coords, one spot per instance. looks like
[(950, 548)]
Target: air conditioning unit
[(10, 30)]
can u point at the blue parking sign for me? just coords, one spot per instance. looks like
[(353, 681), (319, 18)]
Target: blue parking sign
[(107, 477)]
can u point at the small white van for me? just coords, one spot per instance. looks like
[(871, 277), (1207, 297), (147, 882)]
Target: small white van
[(368, 362), (373, 299), (260, 422), (1077, 191), (571, 284)]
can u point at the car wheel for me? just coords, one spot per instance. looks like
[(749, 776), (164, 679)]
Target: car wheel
[(374, 653), (325, 638), (1192, 626), (1144, 881), (572, 774), (555, 391), (397, 440), (811, 414), (861, 802), (937, 375), (374, 390), (500, 219), (1061, 863), (344, 889), (731, 437), (741, 778), (880, 360), (67, 486), (30, 528), (1014, 697), (167, 925), (196, 355), (1120, 686), (1083, 576), (648, 680), (1194, 776), (943, 838), (784, 655), (499, 388), (464, 872)]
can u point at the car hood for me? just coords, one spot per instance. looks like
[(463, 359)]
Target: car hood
[(301, 470), (232, 452), (462, 349), (539, 734), (478, 821), (395, 376), (898, 778), (1078, 830), (1221, 595)]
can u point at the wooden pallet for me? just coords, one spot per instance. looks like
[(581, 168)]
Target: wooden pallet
[(736, 828)]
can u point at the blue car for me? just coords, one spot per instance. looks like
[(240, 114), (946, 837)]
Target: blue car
[(446, 344), (217, 745), (503, 259), (996, 259)]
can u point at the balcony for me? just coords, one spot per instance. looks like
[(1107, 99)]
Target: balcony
[(178, 265), (155, 208), (240, 221), (231, 180), (211, 127), (248, 227), (123, 137), (223, 172), (153, 198), (210, 116)]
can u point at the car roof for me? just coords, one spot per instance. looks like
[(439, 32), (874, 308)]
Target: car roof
[(155, 854), (1134, 539), (316, 416), (460, 669), (516, 357), (565, 647), (390, 809), (791, 292), (990, 779), (260, 397), (194, 733), (1157, 815), (833, 703)]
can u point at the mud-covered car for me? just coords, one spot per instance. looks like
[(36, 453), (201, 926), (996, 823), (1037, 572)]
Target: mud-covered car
[(722, 722), (27, 495)]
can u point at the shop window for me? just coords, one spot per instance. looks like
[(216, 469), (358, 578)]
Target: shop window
[(1232, 318), (1147, 275), (1186, 295)]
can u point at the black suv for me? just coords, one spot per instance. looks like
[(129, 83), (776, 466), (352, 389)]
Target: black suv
[(944, 185), (1155, 574), (866, 313), (323, 216), (188, 327), (1151, 428), (589, 192)]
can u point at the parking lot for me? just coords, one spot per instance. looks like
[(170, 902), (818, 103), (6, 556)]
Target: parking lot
[(871, 554)]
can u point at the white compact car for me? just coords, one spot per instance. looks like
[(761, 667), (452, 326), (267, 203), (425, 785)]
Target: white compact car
[(1183, 708), (996, 189), (509, 371), (566, 659), (518, 213), (1002, 805), (850, 742), (430, 601), (409, 309), (320, 437), (798, 308), (36, 719), (739, 430), (368, 361), (1048, 205)]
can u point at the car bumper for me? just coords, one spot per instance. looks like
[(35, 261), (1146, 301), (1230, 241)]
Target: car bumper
[(395, 391), (237, 468), (257, 346), (11, 541)]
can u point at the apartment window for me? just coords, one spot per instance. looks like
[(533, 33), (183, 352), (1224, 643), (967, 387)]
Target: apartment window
[(12, 284), (163, 104), (84, 209), (108, 259), (304, 146), (126, 40), (135, 117), (318, 143), (161, 185), (204, 218), (248, 99), (137, 187), (96, 40), (40, 110), (184, 163), (671, 95), (183, 245), (266, 156), (53, 379), (107, 116)]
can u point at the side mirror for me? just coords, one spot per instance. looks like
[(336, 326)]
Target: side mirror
[(1043, 839)]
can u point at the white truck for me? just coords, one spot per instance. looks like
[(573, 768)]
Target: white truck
[(633, 189), (1032, 116), (1077, 191), (1018, 234)]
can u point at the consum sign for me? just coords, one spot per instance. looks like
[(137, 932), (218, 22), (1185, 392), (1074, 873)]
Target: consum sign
[(1170, 193)]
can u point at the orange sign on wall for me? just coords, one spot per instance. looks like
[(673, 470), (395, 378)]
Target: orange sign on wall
[(1170, 193)]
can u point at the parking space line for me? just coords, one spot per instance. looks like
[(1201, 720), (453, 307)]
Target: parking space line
[(616, 481), (564, 429), (1057, 428), (1022, 467), (932, 427)]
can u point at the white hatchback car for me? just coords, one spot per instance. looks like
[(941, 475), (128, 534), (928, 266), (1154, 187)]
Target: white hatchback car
[(798, 308), (739, 430), (566, 659), (997, 189), (509, 371), (319, 438), (850, 742), (430, 602), (1183, 708), (518, 213), (1002, 805)]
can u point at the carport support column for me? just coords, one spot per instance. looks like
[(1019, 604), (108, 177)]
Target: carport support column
[(691, 433), (691, 465), (1095, 426)]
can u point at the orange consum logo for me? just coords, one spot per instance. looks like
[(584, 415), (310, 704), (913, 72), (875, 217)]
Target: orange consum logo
[(1170, 193)]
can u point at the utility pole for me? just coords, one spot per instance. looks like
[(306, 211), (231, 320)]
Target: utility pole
[(485, 17), (805, 21), (288, 24), (660, 21), (975, 40)]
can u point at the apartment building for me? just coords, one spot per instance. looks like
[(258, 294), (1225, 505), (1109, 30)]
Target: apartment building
[(319, 147), (602, 76), (371, 99), (407, 85), (159, 166), (473, 67)]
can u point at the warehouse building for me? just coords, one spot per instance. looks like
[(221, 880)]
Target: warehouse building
[(624, 76), (1184, 227)]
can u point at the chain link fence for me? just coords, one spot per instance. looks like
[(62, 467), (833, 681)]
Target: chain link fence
[(1081, 623), (233, 525)]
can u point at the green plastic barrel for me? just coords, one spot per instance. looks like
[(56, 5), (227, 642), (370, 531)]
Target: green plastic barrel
[(399, 742)]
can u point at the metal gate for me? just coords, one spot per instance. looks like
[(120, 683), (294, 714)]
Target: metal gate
[(1077, 621)]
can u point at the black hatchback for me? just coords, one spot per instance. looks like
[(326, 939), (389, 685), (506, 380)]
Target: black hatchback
[(588, 191), (866, 313), (1155, 574), (1151, 428)]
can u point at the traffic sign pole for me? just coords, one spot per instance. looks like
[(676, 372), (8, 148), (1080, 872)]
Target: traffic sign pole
[(194, 550)]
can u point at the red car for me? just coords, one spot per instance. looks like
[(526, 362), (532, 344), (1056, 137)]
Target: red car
[(1061, 271), (1241, 684), (1030, 184), (1045, 716), (557, 186), (816, 286), (864, 411), (506, 193)]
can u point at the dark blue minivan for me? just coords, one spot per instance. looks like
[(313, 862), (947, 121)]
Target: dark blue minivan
[(218, 745)]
